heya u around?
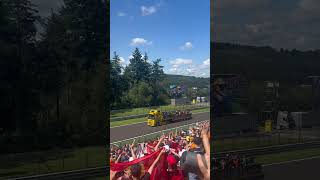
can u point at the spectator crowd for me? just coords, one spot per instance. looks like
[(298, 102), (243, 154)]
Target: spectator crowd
[(176, 155), (235, 166)]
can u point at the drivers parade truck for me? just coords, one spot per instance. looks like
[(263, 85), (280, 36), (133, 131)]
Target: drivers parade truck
[(158, 118)]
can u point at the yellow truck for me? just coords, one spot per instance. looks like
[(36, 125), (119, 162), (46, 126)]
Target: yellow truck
[(158, 118)]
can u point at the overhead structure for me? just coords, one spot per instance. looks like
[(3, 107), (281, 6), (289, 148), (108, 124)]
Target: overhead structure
[(228, 89), (271, 103), (315, 93)]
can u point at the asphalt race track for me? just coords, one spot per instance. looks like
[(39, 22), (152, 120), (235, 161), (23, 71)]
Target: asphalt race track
[(134, 130), (307, 169)]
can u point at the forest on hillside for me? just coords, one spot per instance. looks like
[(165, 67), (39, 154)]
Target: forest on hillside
[(258, 64), (54, 75), (265, 63), (143, 83)]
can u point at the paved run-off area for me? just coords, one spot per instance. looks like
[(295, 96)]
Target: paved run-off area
[(305, 169), (134, 130)]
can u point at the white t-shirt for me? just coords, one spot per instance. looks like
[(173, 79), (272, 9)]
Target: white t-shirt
[(130, 159), (180, 152)]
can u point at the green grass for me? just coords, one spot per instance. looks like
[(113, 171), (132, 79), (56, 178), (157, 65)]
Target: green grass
[(127, 122), (201, 110), (138, 120), (145, 110), (236, 107), (287, 156), (249, 142), (30, 163)]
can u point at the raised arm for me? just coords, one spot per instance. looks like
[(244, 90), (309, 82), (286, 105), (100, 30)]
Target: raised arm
[(112, 175), (132, 151), (118, 158), (173, 152), (204, 171), (158, 144), (155, 162), (205, 140)]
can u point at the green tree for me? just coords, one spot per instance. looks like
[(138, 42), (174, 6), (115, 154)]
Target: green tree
[(157, 73), (8, 69), (17, 49), (145, 68), (159, 94), (140, 95), (118, 83), (139, 68)]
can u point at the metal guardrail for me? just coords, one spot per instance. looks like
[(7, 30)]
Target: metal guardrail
[(184, 127), (270, 149)]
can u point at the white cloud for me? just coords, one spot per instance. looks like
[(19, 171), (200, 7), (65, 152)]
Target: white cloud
[(259, 28), (186, 67), (122, 61), (301, 40), (307, 10), (206, 62), (309, 5), (186, 46), (190, 70), (146, 11), (130, 57), (180, 61), (140, 41), (175, 65), (173, 70), (121, 14)]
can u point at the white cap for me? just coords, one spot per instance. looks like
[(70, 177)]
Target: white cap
[(166, 147)]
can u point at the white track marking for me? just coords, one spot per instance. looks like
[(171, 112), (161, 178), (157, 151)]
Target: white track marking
[(291, 161), (157, 132), (144, 121)]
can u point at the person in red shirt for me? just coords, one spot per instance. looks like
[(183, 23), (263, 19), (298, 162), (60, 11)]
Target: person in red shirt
[(174, 173)]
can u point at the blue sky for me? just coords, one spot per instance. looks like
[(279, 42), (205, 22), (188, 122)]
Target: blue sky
[(177, 31)]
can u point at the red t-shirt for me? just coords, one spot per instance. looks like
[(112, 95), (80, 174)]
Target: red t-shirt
[(175, 175)]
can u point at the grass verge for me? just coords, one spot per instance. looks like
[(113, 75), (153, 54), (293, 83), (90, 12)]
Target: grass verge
[(127, 122), (139, 120), (145, 110), (201, 110), (221, 145), (54, 161), (288, 156)]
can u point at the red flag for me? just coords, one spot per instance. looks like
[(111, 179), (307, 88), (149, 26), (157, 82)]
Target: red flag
[(159, 172), (149, 150), (176, 175)]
